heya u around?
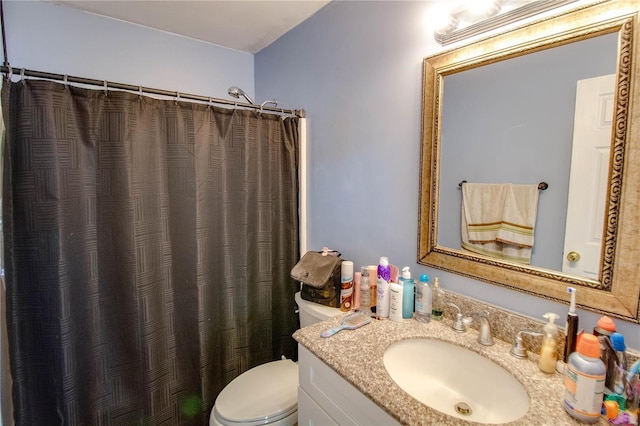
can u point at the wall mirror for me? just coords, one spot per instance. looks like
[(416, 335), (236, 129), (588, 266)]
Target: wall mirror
[(504, 109)]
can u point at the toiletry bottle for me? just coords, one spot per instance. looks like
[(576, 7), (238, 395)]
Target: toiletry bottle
[(372, 271), (384, 270), (548, 351), (438, 301), (365, 291), (384, 275), (346, 289), (617, 342), (603, 331), (395, 302), (356, 290), (571, 328), (423, 299), (584, 380), (408, 293)]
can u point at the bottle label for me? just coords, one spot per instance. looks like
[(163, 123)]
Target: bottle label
[(583, 392), (346, 296)]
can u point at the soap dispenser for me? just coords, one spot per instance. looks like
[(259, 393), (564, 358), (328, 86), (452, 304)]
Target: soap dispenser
[(408, 293), (548, 351)]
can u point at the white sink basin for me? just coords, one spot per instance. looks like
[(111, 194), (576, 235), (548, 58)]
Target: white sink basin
[(452, 379)]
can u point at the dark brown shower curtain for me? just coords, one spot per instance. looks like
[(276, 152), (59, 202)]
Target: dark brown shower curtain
[(148, 245)]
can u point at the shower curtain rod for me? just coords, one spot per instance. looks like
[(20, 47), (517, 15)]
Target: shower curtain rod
[(7, 70)]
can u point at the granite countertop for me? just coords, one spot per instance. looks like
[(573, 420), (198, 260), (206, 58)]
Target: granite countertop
[(357, 356)]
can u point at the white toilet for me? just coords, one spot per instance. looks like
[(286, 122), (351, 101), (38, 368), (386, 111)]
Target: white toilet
[(267, 394)]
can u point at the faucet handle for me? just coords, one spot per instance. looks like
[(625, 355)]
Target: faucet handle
[(458, 324), (518, 350)]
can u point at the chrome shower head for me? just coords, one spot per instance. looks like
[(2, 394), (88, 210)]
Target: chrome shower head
[(236, 92)]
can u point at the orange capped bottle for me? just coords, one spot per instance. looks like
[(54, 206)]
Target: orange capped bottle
[(584, 380)]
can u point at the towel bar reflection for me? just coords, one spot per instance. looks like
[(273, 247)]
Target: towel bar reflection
[(541, 186)]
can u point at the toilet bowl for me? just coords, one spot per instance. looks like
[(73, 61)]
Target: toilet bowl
[(267, 394)]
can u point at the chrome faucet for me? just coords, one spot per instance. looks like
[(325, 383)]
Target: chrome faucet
[(485, 337), (458, 325), (518, 350)]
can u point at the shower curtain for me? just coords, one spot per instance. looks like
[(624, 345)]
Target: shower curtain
[(148, 246)]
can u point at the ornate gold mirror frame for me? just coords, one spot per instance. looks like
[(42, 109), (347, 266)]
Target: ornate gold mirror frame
[(617, 291)]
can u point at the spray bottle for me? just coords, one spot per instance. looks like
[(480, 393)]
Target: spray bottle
[(548, 353)]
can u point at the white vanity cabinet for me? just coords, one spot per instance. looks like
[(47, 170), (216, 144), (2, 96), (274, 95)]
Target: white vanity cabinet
[(325, 398)]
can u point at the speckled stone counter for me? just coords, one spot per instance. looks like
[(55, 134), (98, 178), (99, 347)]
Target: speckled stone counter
[(358, 357)]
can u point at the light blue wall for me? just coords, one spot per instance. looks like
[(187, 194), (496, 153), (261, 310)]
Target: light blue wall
[(354, 66), (356, 69), (46, 37)]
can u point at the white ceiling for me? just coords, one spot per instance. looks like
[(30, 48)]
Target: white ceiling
[(245, 25)]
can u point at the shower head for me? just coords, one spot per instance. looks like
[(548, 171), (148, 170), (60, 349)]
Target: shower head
[(236, 92)]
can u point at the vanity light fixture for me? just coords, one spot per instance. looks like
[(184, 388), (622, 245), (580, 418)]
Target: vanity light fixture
[(474, 17)]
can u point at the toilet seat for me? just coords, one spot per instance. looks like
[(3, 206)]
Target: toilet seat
[(264, 394)]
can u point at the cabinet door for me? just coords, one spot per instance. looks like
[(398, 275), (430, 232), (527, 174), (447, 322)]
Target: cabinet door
[(339, 399), (310, 413)]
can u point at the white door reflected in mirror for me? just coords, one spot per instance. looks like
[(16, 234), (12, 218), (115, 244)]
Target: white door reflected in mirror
[(589, 175)]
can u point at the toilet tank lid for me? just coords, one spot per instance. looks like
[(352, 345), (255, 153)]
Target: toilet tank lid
[(319, 311), (263, 392)]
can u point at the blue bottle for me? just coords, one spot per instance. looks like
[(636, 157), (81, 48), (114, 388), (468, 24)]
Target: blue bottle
[(407, 293)]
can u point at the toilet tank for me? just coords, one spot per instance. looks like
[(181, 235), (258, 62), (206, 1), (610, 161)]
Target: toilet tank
[(311, 313)]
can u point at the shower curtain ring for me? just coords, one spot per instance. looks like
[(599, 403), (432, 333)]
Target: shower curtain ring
[(22, 77), (9, 72), (210, 103), (140, 92), (177, 97), (66, 82), (105, 88)]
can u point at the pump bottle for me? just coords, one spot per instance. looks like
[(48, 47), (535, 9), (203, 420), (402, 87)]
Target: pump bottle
[(408, 293), (548, 351)]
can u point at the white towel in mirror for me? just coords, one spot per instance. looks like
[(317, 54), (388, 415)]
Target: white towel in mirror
[(498, 220)]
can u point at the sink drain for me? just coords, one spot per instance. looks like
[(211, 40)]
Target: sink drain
[(463, 408)]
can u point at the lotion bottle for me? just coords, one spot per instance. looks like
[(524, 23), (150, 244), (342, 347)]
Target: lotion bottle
[(356, 290), (395, 303), (548, 351)]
